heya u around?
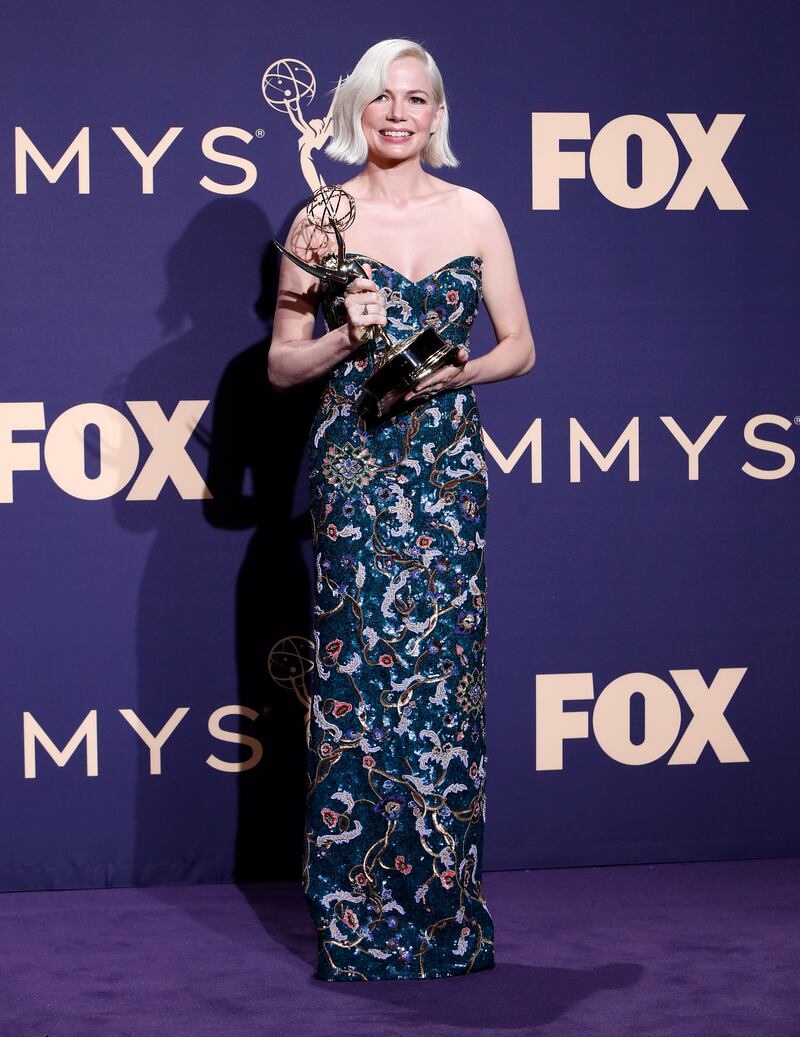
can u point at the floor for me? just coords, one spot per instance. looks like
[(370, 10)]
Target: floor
[(709, 949)]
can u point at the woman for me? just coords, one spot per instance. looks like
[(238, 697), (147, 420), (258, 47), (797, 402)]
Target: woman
[(396, 806)]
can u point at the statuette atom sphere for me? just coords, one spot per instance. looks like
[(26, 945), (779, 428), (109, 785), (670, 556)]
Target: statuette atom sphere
[(331, 206)]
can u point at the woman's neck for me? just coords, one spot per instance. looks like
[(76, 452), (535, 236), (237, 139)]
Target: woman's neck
[(398, 183)]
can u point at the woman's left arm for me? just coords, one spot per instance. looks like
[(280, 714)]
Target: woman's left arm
[(515, 353)]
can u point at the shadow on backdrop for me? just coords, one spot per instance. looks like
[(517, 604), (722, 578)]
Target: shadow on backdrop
[(224, 579), (259, 438)]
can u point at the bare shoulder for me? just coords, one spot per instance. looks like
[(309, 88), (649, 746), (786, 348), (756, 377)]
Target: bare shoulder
[(468, 203), (347, 185), (485, 222), (477, 207)]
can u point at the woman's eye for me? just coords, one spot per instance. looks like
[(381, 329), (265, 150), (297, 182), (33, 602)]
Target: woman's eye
[(420, 99)]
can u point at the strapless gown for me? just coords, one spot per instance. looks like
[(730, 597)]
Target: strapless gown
[(397, 760)]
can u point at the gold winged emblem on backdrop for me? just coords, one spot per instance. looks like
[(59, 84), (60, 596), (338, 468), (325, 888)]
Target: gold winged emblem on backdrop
[(287, 85)]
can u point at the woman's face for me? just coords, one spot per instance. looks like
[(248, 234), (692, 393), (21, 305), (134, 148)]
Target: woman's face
[(399, 121)]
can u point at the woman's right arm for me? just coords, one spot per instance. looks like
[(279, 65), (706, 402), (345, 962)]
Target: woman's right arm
[(294, 356)]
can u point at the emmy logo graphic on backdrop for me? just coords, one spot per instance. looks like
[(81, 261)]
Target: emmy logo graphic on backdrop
[(290, 661), (287, 85)]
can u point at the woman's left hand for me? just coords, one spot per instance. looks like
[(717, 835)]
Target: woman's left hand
[(444, 380)]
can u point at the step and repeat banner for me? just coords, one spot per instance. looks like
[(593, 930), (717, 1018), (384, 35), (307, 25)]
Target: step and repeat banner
[(642, 691)]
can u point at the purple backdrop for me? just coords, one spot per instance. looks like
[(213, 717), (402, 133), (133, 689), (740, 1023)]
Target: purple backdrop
[(642, 553)]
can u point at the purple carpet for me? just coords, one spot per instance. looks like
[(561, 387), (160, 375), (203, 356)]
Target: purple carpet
[(709, 949)]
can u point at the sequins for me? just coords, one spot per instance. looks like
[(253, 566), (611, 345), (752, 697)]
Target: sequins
[(397, 760)]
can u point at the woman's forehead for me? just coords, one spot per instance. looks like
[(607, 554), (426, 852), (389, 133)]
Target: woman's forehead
[(409, 73)]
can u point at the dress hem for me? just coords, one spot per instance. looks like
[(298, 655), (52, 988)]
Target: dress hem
[(487, 963)]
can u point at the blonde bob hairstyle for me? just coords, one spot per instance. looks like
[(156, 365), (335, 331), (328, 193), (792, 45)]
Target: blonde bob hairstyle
[(364, 84)]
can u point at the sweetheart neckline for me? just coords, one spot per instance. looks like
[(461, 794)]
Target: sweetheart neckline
[(444, 266)]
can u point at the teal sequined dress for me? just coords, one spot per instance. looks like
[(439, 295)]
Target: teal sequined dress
[(397, 761)]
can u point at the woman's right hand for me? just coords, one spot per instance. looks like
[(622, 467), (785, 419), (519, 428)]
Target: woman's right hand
[(361, 294)]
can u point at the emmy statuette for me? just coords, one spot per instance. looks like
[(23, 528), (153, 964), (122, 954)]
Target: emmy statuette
[(404, 364)]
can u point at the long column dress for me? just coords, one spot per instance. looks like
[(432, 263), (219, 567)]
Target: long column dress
[(397, 762)]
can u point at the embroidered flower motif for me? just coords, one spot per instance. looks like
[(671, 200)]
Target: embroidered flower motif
[(350, 918), (452, 297), (348, 466), (471, 692), (391, 807), (468, 505), (401, 865), (330, 817), (466, 622), (447, 877)]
